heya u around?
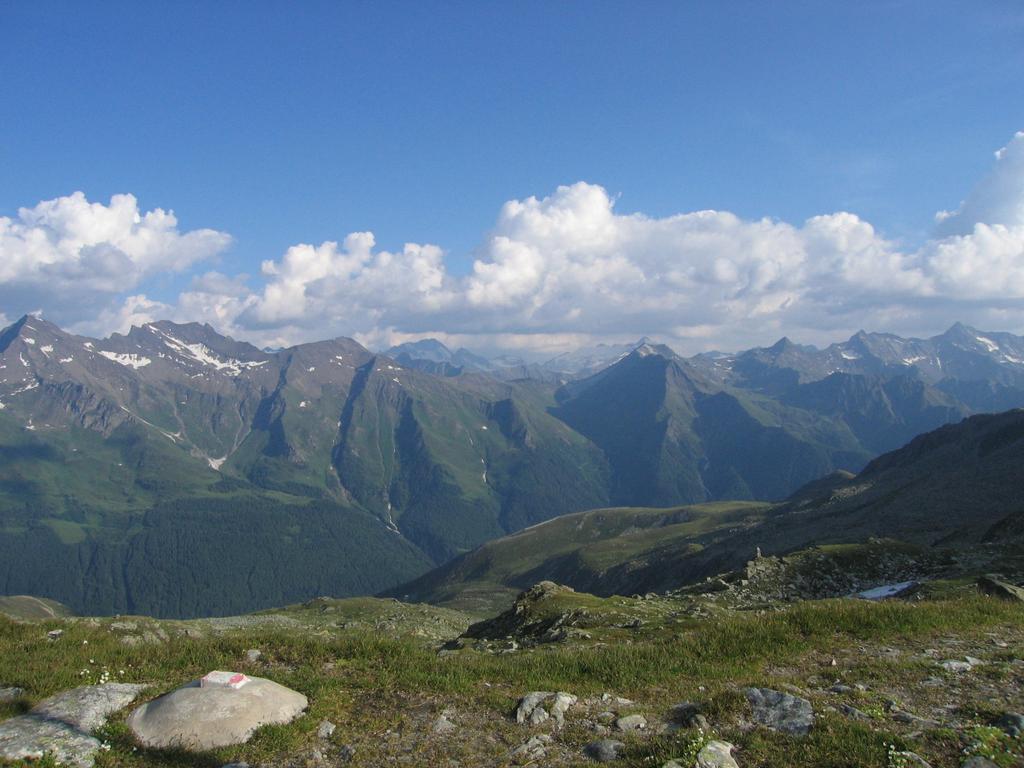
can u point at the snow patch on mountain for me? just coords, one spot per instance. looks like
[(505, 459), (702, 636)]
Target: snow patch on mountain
[(990, 345), (202, 354), (127, 360)]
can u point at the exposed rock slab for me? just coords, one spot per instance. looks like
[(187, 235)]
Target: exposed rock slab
[(781, 711), (197, 718), (62, 725)]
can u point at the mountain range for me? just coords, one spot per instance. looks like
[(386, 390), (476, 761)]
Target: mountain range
[(174, 471)]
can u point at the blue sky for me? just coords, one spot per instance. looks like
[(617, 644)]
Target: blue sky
[(285, 124)]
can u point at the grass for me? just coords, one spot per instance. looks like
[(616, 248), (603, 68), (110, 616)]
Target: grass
[(371, 684)]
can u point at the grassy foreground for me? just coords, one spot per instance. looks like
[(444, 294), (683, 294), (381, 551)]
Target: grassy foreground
[(384, 692)]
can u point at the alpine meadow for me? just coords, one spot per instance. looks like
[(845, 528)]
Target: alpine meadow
[(466, 385)]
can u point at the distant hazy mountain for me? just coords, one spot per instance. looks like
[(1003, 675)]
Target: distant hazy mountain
[(433, 356), (138, 468), (588, 360)]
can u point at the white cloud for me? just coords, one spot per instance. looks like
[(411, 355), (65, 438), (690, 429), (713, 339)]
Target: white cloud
[(118, 318), (73, 251), (997, 199), (568, 269)]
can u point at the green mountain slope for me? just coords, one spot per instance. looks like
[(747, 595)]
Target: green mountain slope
[(959, 487)]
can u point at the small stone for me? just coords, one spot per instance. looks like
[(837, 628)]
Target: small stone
[(684, 710), (631, 723), (346, 753), (533, 749), (325, 730), (978, 762), (10, 694), (853, 712), (253, 655), (604, 750), (716, 754), (840, 688), (912, 719), (973, 661), (561, 705), (54, 634), (953, 665), (700, 722), (914, 760), (1011, 724), (444, 726), (529, 703)]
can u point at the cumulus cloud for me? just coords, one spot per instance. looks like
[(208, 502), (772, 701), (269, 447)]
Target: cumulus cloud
[(567, 269), (998, 199), (74, 252)]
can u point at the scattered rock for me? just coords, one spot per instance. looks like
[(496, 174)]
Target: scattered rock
[(1012, 724), (684, 712), (530, 707), (716, 754), (54, 634), (604, 750), (193, 717), (914, 760), (325, 730), (853, 712), (253, 655), (346, 753), (10, 694), (840, 688), (62, 724), (561, 705), (616, 700), (528, 703), (911, 719), (954, 665), (991, 584), (781, 711), (631, 723), (444, 726), (533, 749), (978, 762)]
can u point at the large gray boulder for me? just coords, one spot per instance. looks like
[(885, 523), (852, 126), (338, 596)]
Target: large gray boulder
[(781, 711), (63, 724), (198, 718), (991, 584)]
